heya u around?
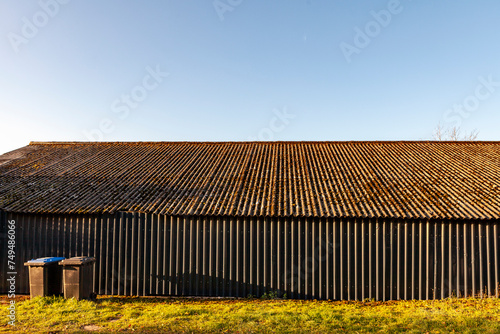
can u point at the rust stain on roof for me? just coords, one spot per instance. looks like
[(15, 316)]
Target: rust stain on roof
[(456, 180)]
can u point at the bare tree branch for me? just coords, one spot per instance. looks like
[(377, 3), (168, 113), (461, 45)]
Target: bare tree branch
[(472, 136), (453, 134), (438, 133)]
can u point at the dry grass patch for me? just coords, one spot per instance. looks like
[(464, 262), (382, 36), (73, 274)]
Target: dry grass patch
[(185, 315)]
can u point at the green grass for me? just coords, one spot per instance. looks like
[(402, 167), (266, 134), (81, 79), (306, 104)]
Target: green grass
[(180, 315)]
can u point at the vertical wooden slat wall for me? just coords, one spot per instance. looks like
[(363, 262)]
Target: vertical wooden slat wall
[(146, 254)]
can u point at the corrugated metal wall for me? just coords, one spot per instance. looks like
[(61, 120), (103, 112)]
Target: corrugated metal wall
[(140, 254)]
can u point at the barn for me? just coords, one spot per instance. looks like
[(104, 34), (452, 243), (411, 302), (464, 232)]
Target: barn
[(323, 220)]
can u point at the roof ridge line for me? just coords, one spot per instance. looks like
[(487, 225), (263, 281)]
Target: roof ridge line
[(33, 143)]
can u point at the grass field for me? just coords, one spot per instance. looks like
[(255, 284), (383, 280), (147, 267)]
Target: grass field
[(181, 315)]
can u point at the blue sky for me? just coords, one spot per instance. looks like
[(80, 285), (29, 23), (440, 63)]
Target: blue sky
[(233, 70)]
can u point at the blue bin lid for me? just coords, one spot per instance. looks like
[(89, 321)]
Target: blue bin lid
[(46, 260), (77, 261)]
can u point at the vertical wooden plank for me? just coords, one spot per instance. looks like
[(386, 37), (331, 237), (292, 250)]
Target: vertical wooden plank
[(184, 257), (119, 254), (496, 239), (466, 265), (172, 252), (330, 254), (126, 255), (473, 246), (102, 253), (286, 257), (481, 259), (142, 234), (151, 273), (459, 242), (355, 260), (294, 283), (243, 253), (427, 257), (368, 265), (451, 259), (253, 269), (219, 268), (489, 262), (436, 290), (160, 276), (193, 228), (133, 252), (413, 262), (166, 254), (399, 268), (213, 257), (314, 259), (198, 281), (267, 255), (444, 251)]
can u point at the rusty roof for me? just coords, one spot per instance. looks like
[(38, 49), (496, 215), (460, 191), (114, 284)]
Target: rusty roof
[(318, 179)]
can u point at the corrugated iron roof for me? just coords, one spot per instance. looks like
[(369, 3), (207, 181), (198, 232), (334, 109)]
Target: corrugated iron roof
[(322, 179)]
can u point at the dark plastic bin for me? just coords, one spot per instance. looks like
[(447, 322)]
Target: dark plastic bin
[(78, 277), (45, 276)]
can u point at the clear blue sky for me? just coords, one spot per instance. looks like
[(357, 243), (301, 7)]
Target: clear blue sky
[(342, 70)]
